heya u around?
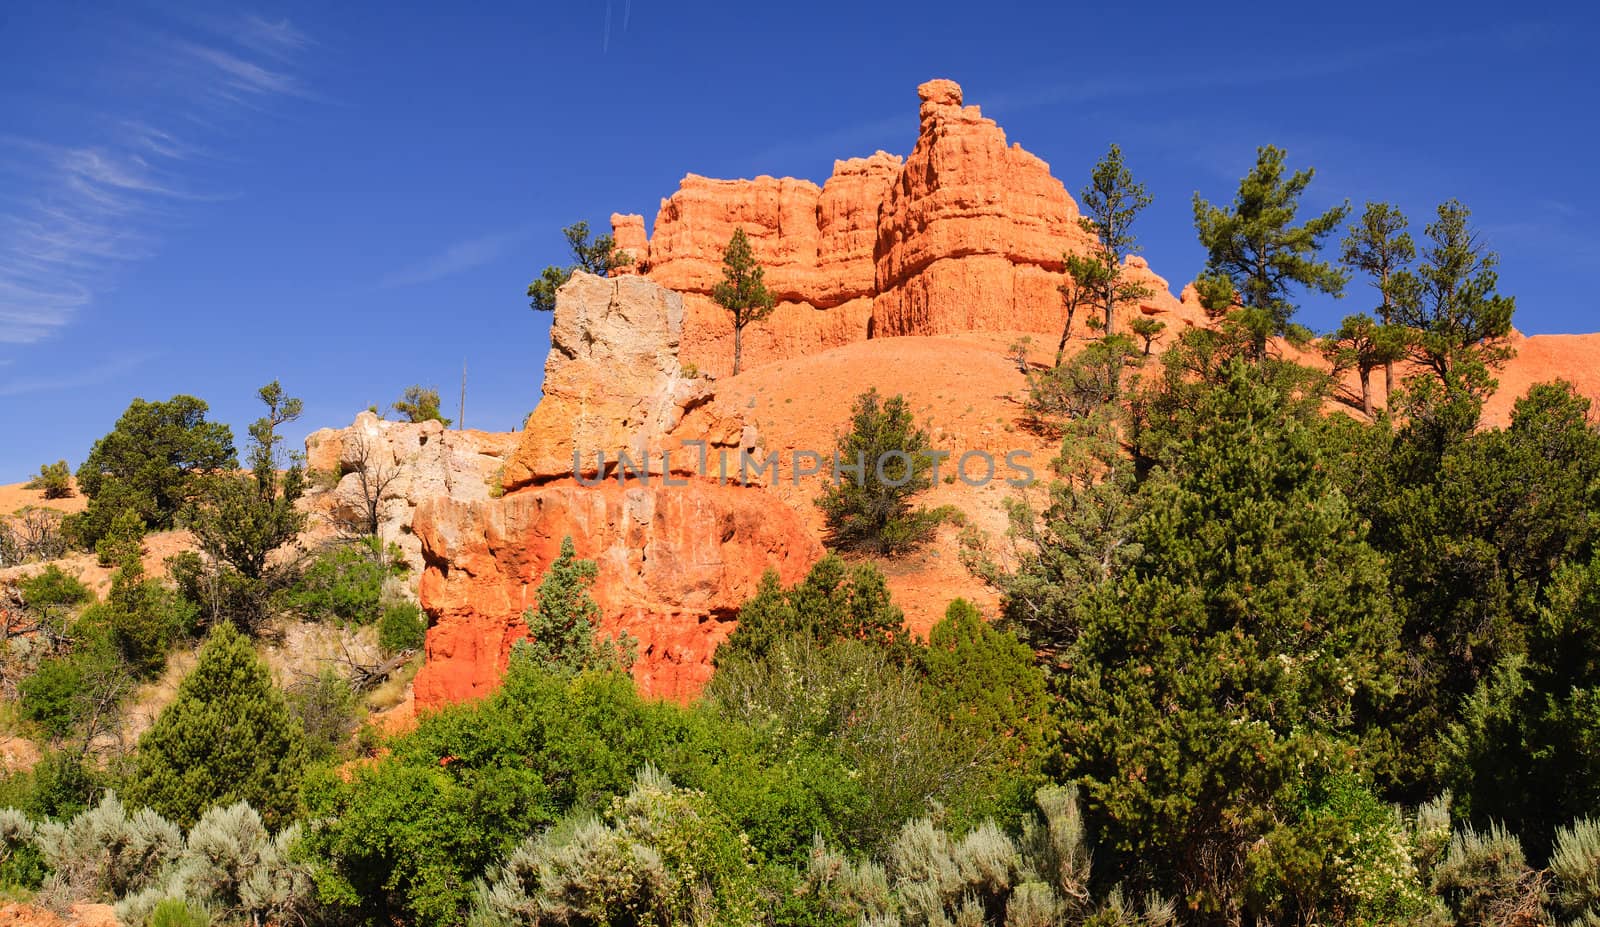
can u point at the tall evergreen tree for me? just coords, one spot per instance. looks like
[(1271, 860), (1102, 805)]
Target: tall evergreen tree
[(1451, 301), (1232, 658), (742, 291), (1380, 247), (1257, 256), (227, 737), (1111, 202)]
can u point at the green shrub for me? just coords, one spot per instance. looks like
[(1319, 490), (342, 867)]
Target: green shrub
[(660, 854), (50, 696), (561, 624), (402, 627), (176, 912), (54, 480), (53, 588), (328, 712), (420, 404), (872, 511), (227, 736), (123, 540), (344, 584), (836, 601), (144, 617)]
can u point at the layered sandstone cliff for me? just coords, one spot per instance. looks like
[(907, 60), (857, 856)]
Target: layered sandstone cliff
[(967, 233), (676, 558)]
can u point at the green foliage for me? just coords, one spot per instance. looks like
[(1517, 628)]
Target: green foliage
[(1111, 202), (240, 521), (1086, 278), (1452, 303), (84, 687), (60, 785), (175, 912), (344, 583), (1257, 249), (561, 625), (869, 507), (1341, 857), (53, 588), (836, 601), (983, 682), (123, 540), (228, 736), (742, 291), (147, 464), (328, 712), (144, 618), (1148, 330), (1088, 382), (660, 854), (850, 701), (1476, 526), (599, 257), (420, 404), (403, 627), (54, 480), (1363, 345), (1233, 654)]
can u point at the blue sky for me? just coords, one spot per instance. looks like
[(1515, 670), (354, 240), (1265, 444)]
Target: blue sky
[(352, 198)]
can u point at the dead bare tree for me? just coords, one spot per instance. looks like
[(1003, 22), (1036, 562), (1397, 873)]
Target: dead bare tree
[(33, 533), (365, 676), (375, 472)]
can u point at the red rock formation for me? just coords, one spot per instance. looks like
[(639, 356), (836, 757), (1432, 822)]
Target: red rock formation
[(675, 564), (966, 234)]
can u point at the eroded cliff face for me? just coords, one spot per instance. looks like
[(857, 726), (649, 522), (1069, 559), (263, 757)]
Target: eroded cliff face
[(967, 233), (676, 559), (675, 563)]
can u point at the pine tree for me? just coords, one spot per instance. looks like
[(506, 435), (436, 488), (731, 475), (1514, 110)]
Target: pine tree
[(1363, 345), (1256, 255), (1231, 657), (1086, 277), (1451, 301), (599, 257), (1111, 202), (742, 291), (420, 404), (562, 626), (871, 509), (1380, 247), (227, 737)]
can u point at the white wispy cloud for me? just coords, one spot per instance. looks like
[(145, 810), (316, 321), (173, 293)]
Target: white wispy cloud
[(88, 206), (461, 256)]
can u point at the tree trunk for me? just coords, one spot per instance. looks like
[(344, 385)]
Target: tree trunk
[(1066, 333), (1388, 384), (738, 346), (1366, 391)]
